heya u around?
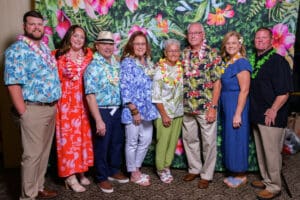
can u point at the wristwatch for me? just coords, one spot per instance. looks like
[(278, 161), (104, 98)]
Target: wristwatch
[(214, 107)]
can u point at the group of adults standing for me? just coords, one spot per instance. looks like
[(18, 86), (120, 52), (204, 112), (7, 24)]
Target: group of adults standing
[(176, 93)]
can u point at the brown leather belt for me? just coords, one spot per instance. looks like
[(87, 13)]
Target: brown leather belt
[(36, 103)]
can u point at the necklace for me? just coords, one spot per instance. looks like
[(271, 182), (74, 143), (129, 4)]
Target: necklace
[(191, 68), (163, 68), (257, 65), (230, 61), (77, 60), (47, 57), (148, 68), (113, 77)]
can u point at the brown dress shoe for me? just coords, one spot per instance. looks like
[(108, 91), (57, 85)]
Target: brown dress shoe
[(46, 194), (106, 186), (203, 184), (119, 177), (266, 195), (258, 184), (190, 177)]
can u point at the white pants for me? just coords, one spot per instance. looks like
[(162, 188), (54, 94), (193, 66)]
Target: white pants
[(138, 139)]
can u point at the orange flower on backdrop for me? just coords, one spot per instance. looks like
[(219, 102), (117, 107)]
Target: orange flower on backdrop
[(218, 19), (162, 24)]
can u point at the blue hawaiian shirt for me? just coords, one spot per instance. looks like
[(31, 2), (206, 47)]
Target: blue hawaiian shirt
[(136, 87), (102, 79), (23, 66)]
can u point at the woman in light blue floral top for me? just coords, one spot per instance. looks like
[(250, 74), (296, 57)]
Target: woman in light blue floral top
[(136, 85)]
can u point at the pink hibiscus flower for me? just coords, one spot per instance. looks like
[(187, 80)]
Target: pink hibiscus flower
[(270, 3), (101, 6), (117, 39), (137, 28), (48, 32), (282, 39), (132, 5), (218, 19), (63, 24), (179, 148)]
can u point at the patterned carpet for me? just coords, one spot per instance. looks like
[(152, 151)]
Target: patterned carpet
[(179, 190)]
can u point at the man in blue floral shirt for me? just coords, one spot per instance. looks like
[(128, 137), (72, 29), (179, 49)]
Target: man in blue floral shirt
[(33, 84), (201, 94), (101, 81)]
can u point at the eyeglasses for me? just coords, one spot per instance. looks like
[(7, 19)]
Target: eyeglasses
[(195, 33), (173, 51), (139, 44)]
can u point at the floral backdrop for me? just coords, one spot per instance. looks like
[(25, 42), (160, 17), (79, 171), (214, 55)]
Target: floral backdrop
[(163, 19)]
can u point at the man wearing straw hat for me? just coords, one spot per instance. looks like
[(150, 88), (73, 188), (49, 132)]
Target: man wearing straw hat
[(101, 81)]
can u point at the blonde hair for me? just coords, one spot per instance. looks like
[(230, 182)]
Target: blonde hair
[(226, 38)]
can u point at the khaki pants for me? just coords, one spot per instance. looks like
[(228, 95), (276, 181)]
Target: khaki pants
[(37, 129), (193, 146), (269, 142)]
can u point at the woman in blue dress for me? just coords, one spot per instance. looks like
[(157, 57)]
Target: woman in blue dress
[(234, 108)]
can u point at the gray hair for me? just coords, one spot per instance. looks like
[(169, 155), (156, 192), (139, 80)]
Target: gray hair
[(190, 24), (169, 42)]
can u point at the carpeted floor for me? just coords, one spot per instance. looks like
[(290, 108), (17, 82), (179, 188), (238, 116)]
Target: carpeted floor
[(10, 187)]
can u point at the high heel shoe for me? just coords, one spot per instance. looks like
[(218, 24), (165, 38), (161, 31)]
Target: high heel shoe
[(72, 183), (84, 180)]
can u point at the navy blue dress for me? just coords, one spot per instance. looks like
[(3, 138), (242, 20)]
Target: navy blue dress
[(235, 141)]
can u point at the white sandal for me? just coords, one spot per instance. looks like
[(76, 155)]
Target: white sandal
[(164, 177), (143, 180), (168, 172)]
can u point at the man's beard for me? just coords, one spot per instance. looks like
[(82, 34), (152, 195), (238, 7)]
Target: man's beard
[(33, 37)]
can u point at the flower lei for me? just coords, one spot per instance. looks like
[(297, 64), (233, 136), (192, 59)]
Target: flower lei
[(50, 60), (148, 68), (162, 64), (259, 63), (113, 77), (78, 61), (230, 61), (194, 68)]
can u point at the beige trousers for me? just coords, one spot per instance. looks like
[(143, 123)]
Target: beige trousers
[(269, 142), (199, 140), (37, 129)]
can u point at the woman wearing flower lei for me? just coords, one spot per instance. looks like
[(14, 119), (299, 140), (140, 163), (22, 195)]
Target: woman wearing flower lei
[(136, 91), (73, 131), (167, 94), (234, 108)]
